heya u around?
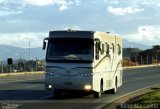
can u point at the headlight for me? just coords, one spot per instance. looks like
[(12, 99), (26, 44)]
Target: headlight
[(49, 86), (87, 87)]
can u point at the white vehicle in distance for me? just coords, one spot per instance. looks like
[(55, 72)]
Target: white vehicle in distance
[(83, 60)]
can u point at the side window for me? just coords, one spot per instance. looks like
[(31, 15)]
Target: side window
[(119, 49), (102, 48), (113, 47), (107, 48)]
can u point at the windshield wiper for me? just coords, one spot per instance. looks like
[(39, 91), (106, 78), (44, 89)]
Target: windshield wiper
[(74, 58)]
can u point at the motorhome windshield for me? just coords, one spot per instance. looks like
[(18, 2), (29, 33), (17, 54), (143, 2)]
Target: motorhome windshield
[(70, 50)]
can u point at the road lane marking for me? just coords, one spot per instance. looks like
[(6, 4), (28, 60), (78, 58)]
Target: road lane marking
[(15, 74), (18, 81), (31, 86), (48, 96)]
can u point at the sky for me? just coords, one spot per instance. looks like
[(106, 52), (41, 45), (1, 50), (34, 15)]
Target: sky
[(24, 21)]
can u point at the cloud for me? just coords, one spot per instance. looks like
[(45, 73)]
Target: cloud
[(38, 2), (72, 28), (149, 35), (22, 39), (133, 2), (5, 13), (6, 9), (63, 7), (13, 7), (13, 21), (123, 11), (63, 4), (66, 4), (111, 1), (149, 2), (9, 8)]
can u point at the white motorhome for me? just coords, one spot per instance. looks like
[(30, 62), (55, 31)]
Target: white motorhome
[(83, 60)]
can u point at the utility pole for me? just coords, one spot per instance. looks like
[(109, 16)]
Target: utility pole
[(147, 59), (10, 68), (29, 50), (1, 67), (29, 55), (141, 60), (36, 64), (20, 65), (24, 65), (156, 58)]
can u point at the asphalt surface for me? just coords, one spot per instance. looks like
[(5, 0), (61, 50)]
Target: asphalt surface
[(27, 91)]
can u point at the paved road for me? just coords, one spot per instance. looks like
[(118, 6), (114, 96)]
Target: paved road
[(27, 91)]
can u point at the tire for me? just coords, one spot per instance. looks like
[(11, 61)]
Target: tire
[(114, 90), (99, 94)]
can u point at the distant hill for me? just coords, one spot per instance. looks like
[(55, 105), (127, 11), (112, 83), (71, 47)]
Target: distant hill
[(129, 44), (17, 53)]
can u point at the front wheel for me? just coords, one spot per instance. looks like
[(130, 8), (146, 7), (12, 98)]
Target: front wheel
[(57, 93), (99, 94)]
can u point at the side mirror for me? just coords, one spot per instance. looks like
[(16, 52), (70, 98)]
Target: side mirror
[(44, 45)]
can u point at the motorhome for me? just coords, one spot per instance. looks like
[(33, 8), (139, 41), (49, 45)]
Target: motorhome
[(83, 60)]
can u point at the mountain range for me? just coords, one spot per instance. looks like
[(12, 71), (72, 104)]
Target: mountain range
[(17, 52), (129, 44), (23, 53)]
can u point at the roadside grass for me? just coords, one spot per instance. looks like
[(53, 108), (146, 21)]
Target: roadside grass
[(147, 101), (151, 98)]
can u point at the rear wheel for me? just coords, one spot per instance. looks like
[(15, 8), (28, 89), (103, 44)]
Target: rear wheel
[(114, 90)]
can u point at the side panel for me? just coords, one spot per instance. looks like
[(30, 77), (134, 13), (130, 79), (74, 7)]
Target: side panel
[(102, 73), (109, 66)]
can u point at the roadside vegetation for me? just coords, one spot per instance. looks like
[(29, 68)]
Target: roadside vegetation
[(135, 56), (148, 101), (151, 98), (22, 65)]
